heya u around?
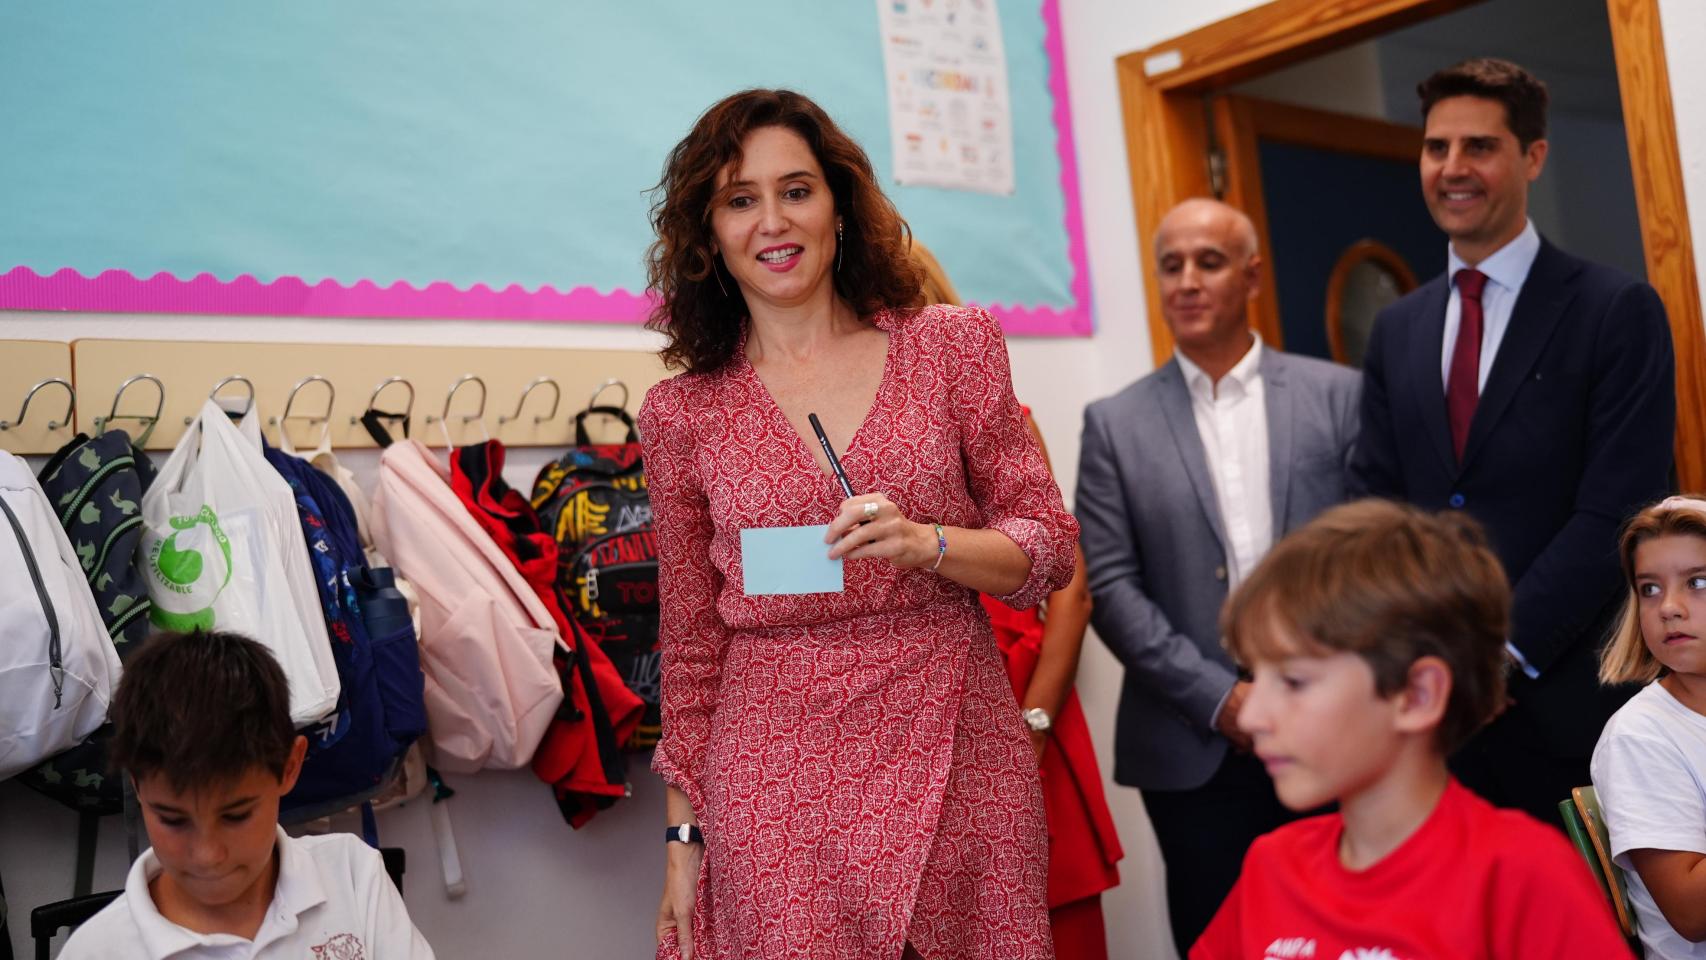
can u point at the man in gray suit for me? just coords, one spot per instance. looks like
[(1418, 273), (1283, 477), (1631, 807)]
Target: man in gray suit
[(1185, 479)]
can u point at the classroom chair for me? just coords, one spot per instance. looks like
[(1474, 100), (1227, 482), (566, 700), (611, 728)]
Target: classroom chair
[(1586, 826)]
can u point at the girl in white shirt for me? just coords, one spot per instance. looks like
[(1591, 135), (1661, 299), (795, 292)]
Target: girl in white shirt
[(1649, 768)]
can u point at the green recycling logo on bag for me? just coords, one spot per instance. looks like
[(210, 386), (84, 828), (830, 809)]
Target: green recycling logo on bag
[(185, 572)]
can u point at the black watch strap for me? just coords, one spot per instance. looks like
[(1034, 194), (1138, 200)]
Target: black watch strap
[(683, 833)]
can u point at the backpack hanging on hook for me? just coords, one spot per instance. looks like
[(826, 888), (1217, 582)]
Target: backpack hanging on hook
[(57, 666), (95, 485), (594, 502)]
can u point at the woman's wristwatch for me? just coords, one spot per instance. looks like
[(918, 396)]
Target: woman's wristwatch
[(683, 833), (1038, 719)]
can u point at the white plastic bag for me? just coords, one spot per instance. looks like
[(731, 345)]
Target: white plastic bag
[(223, 549)]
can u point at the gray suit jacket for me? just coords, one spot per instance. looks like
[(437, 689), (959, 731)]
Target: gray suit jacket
[(1156, 547)]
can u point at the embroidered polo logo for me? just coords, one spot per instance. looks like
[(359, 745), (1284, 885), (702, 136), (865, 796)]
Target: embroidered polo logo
[(344, 946)]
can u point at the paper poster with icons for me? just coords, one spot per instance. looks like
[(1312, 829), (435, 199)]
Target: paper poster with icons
[(950, 120)]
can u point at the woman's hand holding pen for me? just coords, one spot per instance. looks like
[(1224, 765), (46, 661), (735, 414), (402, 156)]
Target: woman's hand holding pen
[(859, 531)]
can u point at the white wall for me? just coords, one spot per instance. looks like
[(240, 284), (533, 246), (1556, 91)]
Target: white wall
[(537, 888)]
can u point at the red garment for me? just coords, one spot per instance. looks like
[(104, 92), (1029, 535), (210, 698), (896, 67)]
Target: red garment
[(855, 758), (1079, 931), (1474, 883), (580, 755), (1083, 847)]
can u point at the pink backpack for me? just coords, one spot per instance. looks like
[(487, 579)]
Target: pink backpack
[(486, 640)]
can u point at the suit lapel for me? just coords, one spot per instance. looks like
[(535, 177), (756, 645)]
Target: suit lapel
[(1276, 399), (1540, 304), (1176, 406), (1427, 339)]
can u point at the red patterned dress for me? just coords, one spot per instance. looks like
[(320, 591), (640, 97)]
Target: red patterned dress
[(856, 759)]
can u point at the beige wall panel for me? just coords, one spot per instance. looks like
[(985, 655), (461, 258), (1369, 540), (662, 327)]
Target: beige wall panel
[(189, 370), (23, 364)]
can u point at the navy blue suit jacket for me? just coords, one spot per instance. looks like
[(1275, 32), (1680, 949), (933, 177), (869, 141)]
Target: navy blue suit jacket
[(1572, 434)]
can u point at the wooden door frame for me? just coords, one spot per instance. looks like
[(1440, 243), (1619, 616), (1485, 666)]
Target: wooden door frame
[(1168, 137), (1241, 123)]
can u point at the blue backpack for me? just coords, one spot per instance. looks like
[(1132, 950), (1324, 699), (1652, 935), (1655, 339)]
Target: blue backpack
[(381, 709)]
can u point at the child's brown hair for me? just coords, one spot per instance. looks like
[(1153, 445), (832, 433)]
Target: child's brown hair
[(201, 709), (1391, 584), (1626, 658)]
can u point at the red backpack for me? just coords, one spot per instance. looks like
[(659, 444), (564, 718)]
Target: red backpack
[(594, 502)]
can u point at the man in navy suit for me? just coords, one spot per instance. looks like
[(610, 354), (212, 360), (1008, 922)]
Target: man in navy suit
[(1535, 391)]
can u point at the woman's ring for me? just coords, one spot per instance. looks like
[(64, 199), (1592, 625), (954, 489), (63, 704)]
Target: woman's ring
[(871, 509)]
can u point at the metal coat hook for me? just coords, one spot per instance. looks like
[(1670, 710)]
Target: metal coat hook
[(606, 385), (408, 408), (556, 401), (450, 398), (289, 400), (479, 414), (214, 394), (70, 408), (101, 423)]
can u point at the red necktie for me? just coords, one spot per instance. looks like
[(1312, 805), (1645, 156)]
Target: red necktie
[(1462, 386)]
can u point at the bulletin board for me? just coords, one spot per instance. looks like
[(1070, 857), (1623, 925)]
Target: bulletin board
[(432, 158)]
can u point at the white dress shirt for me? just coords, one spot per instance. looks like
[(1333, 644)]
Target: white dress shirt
[(1506, 270), (1232, 421)]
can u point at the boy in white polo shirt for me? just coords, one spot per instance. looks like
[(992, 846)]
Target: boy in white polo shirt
[(201, 723)]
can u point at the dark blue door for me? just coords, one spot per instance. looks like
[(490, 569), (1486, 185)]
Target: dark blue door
[(1320, 202)]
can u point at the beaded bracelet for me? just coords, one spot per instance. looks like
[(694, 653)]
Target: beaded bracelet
[(941, 547)]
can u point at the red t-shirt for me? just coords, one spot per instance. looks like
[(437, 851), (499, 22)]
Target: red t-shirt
[(1474, 883)]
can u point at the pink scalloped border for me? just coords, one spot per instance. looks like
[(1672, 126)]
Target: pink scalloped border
[(119, 291)]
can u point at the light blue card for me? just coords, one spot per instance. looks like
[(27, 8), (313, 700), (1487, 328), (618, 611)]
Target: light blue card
[(777, 560)]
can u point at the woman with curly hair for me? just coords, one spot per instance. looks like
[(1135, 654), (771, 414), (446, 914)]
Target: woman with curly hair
[(848, 775)]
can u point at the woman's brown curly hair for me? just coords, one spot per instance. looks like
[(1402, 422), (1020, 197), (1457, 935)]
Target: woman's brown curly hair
[(702, 323)]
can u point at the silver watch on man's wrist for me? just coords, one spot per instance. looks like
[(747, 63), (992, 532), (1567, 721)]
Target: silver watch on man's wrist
[(1038, 719)]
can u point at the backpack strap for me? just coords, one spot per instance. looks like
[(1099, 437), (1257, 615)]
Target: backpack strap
[(56, 669), (372, 419), (581, 439)]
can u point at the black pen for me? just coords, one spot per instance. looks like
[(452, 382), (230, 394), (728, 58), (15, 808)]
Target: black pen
[(829, 451)]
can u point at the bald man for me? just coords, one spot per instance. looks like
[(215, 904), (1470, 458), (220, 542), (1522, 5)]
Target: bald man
[(1185, 479)]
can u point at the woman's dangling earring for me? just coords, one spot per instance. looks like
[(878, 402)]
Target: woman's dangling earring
[(839, 246), (718, 273)]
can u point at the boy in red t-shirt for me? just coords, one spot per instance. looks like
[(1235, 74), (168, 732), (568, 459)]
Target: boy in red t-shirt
[(1375, 636)]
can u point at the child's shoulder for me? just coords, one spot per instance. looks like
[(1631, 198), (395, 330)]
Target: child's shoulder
[(1651, 712), (1508, 840), (112, 932), (335, 855)]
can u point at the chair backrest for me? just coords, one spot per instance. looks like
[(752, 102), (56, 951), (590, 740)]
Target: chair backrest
[(1578, 832), (47, 920), (1586, 802)]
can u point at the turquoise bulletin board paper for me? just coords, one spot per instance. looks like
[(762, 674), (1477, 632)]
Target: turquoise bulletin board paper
[(508, 145)]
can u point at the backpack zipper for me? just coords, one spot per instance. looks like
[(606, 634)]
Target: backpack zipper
[(137, 609), (88, 487), (56, 668), (107, 547)]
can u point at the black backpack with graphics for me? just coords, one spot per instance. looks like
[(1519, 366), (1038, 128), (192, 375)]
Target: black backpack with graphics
[(593, 500), (95, 487)]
